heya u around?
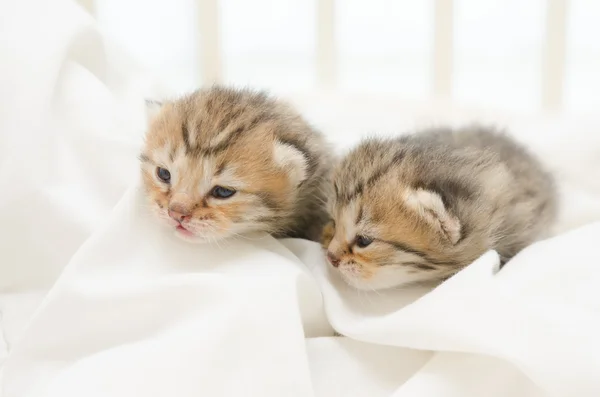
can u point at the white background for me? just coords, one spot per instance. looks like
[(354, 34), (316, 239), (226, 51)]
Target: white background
[(384, 46)]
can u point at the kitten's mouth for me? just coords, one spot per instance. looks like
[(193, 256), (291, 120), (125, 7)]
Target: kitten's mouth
[(181, 229)]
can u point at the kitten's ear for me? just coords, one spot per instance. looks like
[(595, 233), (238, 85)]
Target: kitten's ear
[(152, 109), (291, 160), (430, 207)]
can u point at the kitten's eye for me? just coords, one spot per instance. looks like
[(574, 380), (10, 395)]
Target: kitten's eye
[(163, 174), (362, 241), (222, 192)]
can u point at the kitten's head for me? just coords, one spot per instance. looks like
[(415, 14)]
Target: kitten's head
[(388, 230), (222, 162)]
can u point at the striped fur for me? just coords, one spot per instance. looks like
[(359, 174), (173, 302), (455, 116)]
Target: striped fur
[(244, 141), (431, 203)]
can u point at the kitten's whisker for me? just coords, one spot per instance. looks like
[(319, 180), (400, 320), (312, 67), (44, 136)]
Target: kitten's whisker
[(375, 291)]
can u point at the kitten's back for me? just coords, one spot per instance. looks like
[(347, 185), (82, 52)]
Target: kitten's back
[(518, 194)]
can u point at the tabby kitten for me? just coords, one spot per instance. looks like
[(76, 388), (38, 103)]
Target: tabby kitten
[(222, 162), (421, 207)]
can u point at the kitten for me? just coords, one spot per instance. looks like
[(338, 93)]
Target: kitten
[(421, 207), (223, 162)]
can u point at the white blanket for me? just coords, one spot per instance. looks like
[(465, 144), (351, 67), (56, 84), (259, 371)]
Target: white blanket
[(95, 300)]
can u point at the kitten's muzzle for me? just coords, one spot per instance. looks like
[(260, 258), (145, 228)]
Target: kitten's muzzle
[(179, 215), (335, 262)]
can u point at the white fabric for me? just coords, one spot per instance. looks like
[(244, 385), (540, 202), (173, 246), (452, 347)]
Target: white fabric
[(137, 312)]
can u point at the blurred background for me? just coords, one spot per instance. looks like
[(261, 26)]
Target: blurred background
[(517, 55)]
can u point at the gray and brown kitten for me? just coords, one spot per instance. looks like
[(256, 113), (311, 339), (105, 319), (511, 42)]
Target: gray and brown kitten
[(421, 207), (223, 162)]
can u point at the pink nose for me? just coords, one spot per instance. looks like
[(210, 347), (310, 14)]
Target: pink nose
[(335, 262), (179, 216)]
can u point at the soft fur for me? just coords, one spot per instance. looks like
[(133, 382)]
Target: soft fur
[(433, 202), (240, 140)]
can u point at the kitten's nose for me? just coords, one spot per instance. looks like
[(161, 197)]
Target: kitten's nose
[(335, 262), (179, 213)]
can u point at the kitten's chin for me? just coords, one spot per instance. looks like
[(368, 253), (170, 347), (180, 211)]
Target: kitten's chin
[(191, 237), (373, 285), (386, 277), (188, 236)]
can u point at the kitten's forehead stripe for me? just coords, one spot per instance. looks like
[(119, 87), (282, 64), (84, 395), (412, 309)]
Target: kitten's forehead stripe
[(375, 176), (186, 138), (198, 130), (379, 173), (346, 198), (220, 169), (227, 140), (229, 117), (227, 122), (360, 215)]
